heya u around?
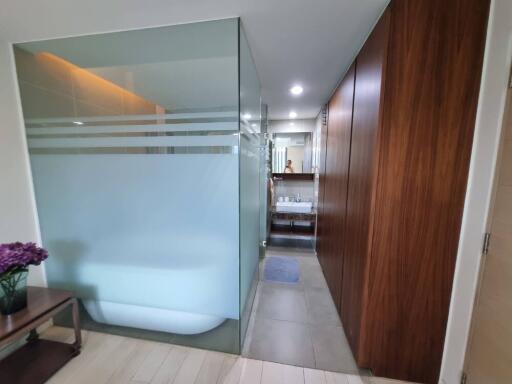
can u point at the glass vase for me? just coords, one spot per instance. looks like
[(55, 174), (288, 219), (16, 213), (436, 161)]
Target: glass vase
[(13, 292)]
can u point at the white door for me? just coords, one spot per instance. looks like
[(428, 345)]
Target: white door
[(489, 355)]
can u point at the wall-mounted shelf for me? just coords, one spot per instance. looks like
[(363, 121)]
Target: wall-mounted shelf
[(299, 230), (293, 176)]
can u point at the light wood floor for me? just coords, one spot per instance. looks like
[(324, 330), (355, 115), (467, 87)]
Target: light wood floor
[(114, 359)]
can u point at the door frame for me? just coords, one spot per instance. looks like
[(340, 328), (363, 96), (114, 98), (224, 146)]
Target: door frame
[(489, 221)]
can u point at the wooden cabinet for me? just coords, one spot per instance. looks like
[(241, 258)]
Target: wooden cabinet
[(391, 220), (339, 122), (370, 66)]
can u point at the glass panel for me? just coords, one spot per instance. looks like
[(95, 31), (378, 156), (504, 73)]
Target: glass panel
[(134, 146), (250, 131)]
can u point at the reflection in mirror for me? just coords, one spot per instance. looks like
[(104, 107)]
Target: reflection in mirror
[(292, 152)]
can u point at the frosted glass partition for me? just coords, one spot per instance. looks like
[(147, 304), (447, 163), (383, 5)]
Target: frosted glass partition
[(250, 132), (144, 185)]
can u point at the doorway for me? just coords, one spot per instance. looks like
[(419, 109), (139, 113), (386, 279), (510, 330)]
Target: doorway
[(489, 352), (294, 319)]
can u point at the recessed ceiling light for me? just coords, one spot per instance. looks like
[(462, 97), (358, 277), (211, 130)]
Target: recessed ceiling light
[(78, 123), (293, 115), (246, 116), (296, 90), (292, 124), (253, 125)]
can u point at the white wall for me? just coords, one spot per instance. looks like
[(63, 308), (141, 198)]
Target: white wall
[(485, 147), (283, 188), (18, 217)]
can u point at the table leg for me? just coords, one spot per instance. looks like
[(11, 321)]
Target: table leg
[(32, 336), (76, 326)]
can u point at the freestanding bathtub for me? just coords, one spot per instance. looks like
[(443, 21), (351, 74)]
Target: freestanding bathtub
[(188, 293), (154, 319), (148, 241)]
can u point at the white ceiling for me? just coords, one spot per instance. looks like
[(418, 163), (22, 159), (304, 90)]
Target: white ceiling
[(310, 42)]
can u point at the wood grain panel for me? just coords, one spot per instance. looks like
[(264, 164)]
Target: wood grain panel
[(363, 164), (39, 302), (336, 181), (431, 94)]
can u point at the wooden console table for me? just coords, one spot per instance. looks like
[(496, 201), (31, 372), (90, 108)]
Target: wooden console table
[(38, 359)]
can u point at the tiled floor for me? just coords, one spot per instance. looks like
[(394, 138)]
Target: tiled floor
[(298, 324), (109, 359)]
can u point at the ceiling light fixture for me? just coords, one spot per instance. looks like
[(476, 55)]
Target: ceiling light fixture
[(78, 123), (296, 90), (293, 115), (246, 116)]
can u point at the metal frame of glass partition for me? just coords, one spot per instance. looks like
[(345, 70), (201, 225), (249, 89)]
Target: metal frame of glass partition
[(144, 150), (250, 178)]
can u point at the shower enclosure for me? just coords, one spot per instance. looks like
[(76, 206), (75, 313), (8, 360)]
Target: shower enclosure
[(144, 149)]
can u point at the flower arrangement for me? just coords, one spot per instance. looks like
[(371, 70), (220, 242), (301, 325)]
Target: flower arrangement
[(18, 256), (14, 261)]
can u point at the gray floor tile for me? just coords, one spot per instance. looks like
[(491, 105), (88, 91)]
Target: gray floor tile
[(282, 342), (289, 247), (282, 302), (284, 251), (298, 324), (321, 308), (332, 352), (312, 276), (308, 261), (319, 296)]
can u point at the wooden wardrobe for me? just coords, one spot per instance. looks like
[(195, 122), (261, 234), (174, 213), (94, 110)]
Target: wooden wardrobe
[(395, 149)]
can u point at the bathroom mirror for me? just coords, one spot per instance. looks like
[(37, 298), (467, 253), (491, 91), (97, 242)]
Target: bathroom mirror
[(294, 147)]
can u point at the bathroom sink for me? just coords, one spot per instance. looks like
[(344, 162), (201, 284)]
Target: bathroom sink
[(294, 207)]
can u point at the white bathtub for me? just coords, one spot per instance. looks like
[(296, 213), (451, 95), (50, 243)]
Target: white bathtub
[(154, 319)]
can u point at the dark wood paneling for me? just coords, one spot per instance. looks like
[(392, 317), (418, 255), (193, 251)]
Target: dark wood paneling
[(431, 94), (336, 181), (416, 91), (363, 165)]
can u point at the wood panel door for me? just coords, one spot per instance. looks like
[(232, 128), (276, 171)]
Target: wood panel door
[(336, 181), (370, 70), (430, 100), (489, 356)]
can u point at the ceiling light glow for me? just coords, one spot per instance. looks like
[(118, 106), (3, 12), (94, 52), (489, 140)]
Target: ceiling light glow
[(78, 123), (246, 116), (293, 115), (296, 90)]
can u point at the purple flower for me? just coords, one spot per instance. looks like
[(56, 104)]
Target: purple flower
[(19, 255)]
